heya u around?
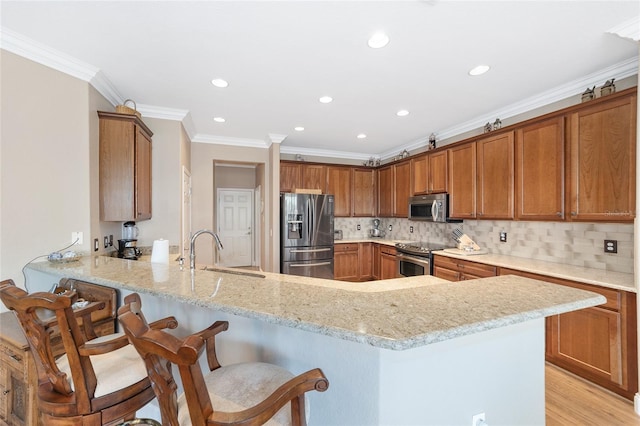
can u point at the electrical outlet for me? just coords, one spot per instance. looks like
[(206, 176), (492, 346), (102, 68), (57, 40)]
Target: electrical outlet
[(111, 240), (96, 244), (503, 237), (390, 228), (411, 229), (76, 237), (106, 241), (358, 227), (610, 246), (479, 420)]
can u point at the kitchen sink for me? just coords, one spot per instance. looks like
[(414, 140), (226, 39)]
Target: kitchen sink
[(234, 272)]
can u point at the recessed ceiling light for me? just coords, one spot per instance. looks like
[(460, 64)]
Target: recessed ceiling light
[(298, 129), (218, 82), (402, 113), (361, 136), (325, 99), (219, 119), (479, 70), (378, 40)]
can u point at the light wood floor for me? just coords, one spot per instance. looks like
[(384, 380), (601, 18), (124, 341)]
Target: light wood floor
[(571, 400)]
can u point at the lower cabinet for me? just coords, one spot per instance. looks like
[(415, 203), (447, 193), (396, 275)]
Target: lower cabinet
[(364, 261), (452, 269), (387, 260), (345, 262), (597, 343)]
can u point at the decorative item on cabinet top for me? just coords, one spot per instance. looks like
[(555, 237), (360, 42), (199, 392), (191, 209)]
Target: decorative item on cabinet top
[(589, 94), (432, 141), (124, 109), (608, 88)]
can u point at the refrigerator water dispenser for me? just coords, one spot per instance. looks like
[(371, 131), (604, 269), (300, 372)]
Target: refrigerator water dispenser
[(294, 224)]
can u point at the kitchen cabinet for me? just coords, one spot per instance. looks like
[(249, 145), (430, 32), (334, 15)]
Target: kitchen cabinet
[(386, 185), (462, 181), (437, 163), (339, 184), (494, 184), (290, 176), (314, 176), (364, 190), (602, 166), (125, 168), (597, 343), (420, 175), (345, 262), (453, 269), (402, 180), (365, 261), (540, 170), (387, 261)]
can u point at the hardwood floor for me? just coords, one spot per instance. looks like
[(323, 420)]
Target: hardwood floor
[(571, 400)]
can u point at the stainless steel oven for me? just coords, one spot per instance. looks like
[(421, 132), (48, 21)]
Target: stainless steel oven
[(416, 258)]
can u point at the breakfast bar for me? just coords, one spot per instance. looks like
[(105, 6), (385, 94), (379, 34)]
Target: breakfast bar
[(416, 350)]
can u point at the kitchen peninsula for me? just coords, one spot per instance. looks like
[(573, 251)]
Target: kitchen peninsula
[(405, 351)]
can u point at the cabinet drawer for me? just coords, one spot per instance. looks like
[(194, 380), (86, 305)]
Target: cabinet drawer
[(614, 297), (11, 358), (477, 270), (384, 249), (343, 247)]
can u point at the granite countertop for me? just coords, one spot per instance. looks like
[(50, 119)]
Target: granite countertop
[(396, 314), (599, 277)]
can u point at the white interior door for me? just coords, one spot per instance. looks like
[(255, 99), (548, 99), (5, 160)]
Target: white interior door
[(186, 212), (235, 227)]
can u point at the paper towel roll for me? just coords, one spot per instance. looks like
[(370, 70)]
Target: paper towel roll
[(160, 251), (160, 273)]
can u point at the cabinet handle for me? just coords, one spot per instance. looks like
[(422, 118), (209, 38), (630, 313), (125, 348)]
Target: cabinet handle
[(16, 357), (6, 391), (559, 214)]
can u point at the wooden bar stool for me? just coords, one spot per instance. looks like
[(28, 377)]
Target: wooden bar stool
[(239, 394), (101, 381)]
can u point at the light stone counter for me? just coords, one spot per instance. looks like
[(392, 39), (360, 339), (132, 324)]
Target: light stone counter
[(599, 277), (396, 314)]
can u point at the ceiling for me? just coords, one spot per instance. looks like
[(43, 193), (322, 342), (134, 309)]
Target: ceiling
[(280, 57)]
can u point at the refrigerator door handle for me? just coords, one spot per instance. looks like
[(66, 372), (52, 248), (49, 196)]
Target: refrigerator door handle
[(310, 250), (295, 265)]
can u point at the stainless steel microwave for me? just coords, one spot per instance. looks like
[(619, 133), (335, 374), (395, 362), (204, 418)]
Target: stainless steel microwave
[(430, 208)]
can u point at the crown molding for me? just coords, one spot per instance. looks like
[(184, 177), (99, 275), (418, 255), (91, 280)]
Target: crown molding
[(629, 29), (228, 140), (276, 138), (324, 153), (163, 113)]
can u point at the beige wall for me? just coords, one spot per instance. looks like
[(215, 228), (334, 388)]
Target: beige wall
[(204, 158), (45, 163)]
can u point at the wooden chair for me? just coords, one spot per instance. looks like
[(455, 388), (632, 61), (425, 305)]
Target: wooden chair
[(95, 382), (241, 394)]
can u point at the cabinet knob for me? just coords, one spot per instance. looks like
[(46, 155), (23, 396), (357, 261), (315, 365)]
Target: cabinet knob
[(6, 391), (559, 214), (574, 214)]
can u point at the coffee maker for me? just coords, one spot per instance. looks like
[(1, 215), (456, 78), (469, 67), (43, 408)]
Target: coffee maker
[(127, 246)]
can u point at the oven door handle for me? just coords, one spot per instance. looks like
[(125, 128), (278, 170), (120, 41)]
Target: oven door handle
[(422, 261)]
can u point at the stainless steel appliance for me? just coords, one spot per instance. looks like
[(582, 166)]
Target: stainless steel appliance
[(430, 208), (416, 258), (306, 235)]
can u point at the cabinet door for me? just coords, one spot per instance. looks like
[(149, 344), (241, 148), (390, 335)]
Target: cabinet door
[(314, 176), (462, 181), (602, 161), (345, 262), (402, 178), (437, 172), (290, 176), (364, 190), (386, 185), (419, 175), (388, 267), (376, 261), (540, 171), (365, 261), (339, 185), (495, 177), (143, 175)]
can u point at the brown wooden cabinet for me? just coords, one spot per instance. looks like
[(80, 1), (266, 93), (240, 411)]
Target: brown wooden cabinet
[(387, 260), (462, 181), (340, 185), (402, 180), (597, 343), (364, 190), (314, 176), (125, 168), (540, 170), (386, 185), (602, 166), (345, 262), (437, 172), (452, 269), (494, 183), (420, 175), (290, 176), (365, 261)]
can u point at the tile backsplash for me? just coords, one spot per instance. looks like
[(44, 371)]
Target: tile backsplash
[(573, 243)]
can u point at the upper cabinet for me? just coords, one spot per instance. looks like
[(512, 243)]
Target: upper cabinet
[(290, 176), (125, 168), (386, 185), (419, 175), (462, 181), (429, 173), (364, 190), (494, 183), (402, 179), (602, 169), (339, 183), (314, 176), (540, 170)]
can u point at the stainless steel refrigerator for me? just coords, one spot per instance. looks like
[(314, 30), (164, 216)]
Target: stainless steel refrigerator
[(306, 235)]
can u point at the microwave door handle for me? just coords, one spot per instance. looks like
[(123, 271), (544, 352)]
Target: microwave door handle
[(434, 210)]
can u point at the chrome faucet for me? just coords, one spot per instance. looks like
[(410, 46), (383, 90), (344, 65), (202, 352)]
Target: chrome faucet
[(192, 246)]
